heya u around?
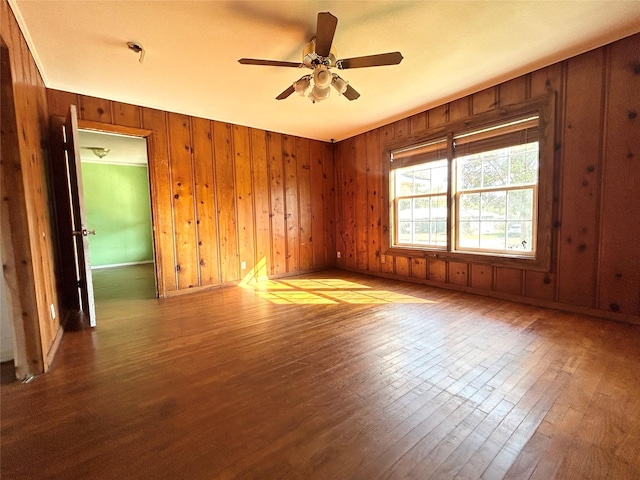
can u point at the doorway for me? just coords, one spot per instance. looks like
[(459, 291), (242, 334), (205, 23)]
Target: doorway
[(115, 174)]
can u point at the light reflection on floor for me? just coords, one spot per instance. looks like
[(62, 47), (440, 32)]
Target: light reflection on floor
[(323, 291)]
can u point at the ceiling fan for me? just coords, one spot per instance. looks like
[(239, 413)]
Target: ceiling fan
[(320, 56)]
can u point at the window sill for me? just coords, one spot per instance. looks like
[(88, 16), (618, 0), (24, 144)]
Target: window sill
[(496, 260)]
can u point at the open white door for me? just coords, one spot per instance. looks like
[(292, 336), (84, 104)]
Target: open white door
[(78, 218)]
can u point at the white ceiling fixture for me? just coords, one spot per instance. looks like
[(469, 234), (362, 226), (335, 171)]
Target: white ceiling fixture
[(451, 49), (137, 48), (99, 152), (320, 56)]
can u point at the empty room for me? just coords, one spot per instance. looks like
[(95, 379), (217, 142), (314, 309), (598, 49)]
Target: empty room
[(320, 239)]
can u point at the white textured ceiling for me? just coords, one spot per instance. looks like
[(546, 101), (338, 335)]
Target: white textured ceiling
[(450, 49)]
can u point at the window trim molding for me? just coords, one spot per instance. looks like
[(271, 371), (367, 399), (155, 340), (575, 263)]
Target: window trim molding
[(544, 107)]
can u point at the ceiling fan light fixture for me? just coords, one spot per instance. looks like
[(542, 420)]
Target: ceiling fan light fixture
[(339, 84), (319, 93), (320, 56), (301, 86), (322, 77)]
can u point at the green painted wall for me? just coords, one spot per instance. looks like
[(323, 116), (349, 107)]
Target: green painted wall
[(117, 206)]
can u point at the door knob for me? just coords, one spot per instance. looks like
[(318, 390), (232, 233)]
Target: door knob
[(84, 232)]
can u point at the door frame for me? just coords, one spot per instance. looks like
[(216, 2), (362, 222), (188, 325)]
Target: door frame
[(149, 135)]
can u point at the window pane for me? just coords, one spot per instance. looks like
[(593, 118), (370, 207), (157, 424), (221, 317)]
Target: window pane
[(404, 232), (404, 183), (439, 233), (440, 177), (469, 234), (495, 168), (520, 204), (524, 164), (421, 209), (422, 221), (520, 235), (497, 220), (439, 208), (422, 179), (404, 210), (421, 233), (470, 206), (494, 205), (492, 235), (469, 173)]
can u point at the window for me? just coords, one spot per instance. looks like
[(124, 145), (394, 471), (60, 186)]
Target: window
[(496, 187), (420, 187), (476, 189)]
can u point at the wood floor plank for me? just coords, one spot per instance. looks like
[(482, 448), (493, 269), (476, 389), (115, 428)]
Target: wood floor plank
[(330, 375)]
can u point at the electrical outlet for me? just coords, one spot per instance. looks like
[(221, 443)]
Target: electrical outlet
[(243, 265), (339, 255), (383, 259)]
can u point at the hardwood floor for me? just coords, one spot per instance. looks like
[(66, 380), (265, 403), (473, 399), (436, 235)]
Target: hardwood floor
[(330, 376), (129, 282)]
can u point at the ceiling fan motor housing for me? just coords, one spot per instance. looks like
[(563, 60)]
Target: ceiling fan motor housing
[(311, 59)]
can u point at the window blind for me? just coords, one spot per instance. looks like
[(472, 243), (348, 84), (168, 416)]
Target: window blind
[(516, 132), (417, 154)]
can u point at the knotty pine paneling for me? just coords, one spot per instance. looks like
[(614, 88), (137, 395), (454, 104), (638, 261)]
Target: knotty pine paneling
[(460, 109), (328, 198), (403, 266), (27, 232), (305, 215), (244, 198), (225, 187), (125, 114), (459, 273), (316, 175), (278, 207), (361, 204), (437, 270), (619, 261), (595, 264), (291, 201), (94, 109), (184, 222), (419, 122), (374, 192), (484, 101), (204, 185), (261, 189), (161, 200), (419, 268), (581, 179), (225, 194)]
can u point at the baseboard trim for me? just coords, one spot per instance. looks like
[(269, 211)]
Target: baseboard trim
[(591, 312), (115, 265), (204, 288), (54, 348)]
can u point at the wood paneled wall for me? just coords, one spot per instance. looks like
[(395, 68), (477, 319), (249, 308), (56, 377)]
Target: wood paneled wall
[(224, 195), (28, 242), (596, 253)]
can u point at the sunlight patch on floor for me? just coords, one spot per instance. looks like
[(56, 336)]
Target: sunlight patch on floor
[(318, 291)]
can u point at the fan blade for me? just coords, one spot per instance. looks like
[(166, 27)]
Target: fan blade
[(378, 60), (269, 63), (286, 93), (324, 33), (351, 93)]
